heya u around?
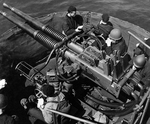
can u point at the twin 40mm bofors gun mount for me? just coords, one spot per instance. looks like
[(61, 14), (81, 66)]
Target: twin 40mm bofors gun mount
[(117, 77)]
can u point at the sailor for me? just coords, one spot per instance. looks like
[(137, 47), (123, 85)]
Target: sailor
[(141, 49), (116, 42), (104, 26), (145, 72), (73, 22), (45, 103)]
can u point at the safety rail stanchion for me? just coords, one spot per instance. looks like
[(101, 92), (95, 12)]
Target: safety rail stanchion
[(145, 109), (139, 40)]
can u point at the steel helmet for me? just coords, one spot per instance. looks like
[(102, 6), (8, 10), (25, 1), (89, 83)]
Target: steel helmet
[(139, 61), (3, 101), (115, 34)]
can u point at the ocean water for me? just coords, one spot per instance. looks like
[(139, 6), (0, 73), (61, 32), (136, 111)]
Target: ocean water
[(134, 11)]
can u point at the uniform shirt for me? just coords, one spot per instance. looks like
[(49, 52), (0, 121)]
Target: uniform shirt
[(121, 48), (103, 29), (52, 103)]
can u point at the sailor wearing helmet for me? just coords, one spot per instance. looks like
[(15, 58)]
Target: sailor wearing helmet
[(115, 42), (145, 72)]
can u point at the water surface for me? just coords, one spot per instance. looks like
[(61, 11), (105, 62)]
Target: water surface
[(134, 11)]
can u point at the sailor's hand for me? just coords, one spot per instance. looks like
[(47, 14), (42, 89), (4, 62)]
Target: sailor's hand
[(2, 83), (32, 98), (79, 28), (91, 33), (15, 117), (146, 38), (108, 42), (138, 44), (40, 103), (24, 103)]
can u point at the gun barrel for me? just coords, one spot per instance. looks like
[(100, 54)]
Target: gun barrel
[(18, 23), (37, 35), (45, 28)]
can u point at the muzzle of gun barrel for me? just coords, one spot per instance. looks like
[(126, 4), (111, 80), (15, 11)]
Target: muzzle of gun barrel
[(37, 24), (42, 38)]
